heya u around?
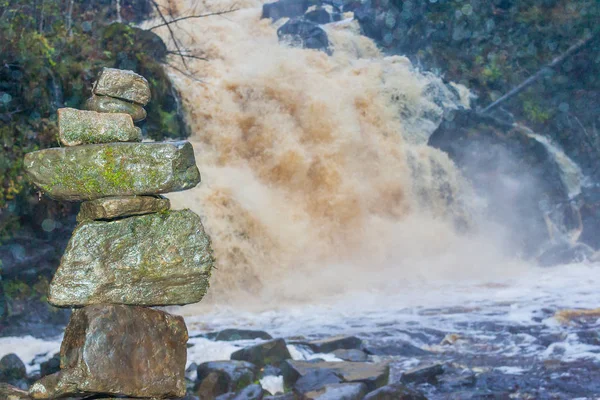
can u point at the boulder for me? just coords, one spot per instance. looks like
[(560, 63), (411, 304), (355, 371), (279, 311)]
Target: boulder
[(374, 375), (395, 391), (12, 369), (212, 385), (305, 34), (119, 350), (352, 355), (108, 208), (340, 391), (8, 392), (115, 169), (320, 15), (228, 335), (273, 352), (77, 127), (315, 380), (252, 392), (329, 345), (51, 366), (123, 84), (285, 9), (423, 374), (105, 104), (235, 374), (154, 259)]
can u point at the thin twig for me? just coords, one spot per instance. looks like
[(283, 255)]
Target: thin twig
[(176, 68), (166, 23), (187, 55)]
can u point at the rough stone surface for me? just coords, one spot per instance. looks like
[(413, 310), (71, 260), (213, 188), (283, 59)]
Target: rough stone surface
[(315, 380), (331, 344), (228, 335), (374, 375), (352, 355), (394, 392), (77, 127), (154, 259), (123, 84), (51, 366), (119, 350), (252, 392), (272, 352), (212, 385), (116, 169), (423, 374), (105, 104), (11, 368), (236, 374), (117, 207), (8, 392), (341, 391)]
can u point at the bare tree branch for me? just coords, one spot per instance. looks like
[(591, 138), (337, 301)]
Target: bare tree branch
[(175, 20), (168, 24), (187, 55)]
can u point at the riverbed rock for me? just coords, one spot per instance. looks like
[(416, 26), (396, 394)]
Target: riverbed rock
[(8, 392), (331, 344), (252, 392), (123, 84), (423, 374), (352, 355), (374, 375), (285, 9), (119, 350), (315, 380), (228, 335), (395, 391), (12, 368), (115, 169), (273, 352), (51, 366), (77, 127), (339, 391), (108, 208), (236, 374), (304, 34), (106, 104), (154, 259), (212, 385)]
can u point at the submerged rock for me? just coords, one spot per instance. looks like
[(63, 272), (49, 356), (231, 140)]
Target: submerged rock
[(119, 350), (321, 15), (340, 391), (77, 127), (154, 259), (116, 169), (352, 355), (212, 385), (117, 207), (272, 352), (235, 374), (123, 84), (8, 392), (374, 375), (305, 34), (105, 104)]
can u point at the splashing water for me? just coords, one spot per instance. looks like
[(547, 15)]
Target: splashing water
[(316, 179)]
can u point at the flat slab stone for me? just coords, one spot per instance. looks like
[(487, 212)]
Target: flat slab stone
[(115, 169), (108, 208), (340, 391), (119, 350), (106, 104), (150, 260), (331, 344), (123, 84), (374, 375), (77, 127)]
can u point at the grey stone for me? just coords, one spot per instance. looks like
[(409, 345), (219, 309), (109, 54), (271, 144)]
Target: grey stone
[(228, 335), (423, 374), (12, 368), (105, 104), (315, 380), (108, 208), (116, 169), (77, 127), (212, 385), (51, 366), (123, 84), (237, 374), (272, 352), (331, 344), (120, 351), (374, 375), (8, 392), (395, 392), (340, 391), (154, 259), (352, 355), (252, 392)]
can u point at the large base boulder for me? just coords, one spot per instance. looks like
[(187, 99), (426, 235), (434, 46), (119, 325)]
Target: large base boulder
[(119, 350)]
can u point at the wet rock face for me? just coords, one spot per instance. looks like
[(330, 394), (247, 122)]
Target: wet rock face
[(285, 9), (235, 374), (154, 259), (273, 352), (228, 335), (123, 84), (119, 350), (105, 104), (8, 392), (394, 392), (116, 169), (118, 207), (77, 127), (305, 34), (331, 344), (341, 391)]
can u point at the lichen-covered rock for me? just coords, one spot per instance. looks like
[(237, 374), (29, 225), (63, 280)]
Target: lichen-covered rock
[(272, 352), (117, 207), (106, 104), (114, 169), (77, 127), (119, 350), (8, 392), (123, 84), (154, 259)]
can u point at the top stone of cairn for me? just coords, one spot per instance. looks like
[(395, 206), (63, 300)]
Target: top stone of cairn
[(123, 84)]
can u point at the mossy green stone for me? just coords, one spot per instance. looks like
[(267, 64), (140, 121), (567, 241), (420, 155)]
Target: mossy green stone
[(105, 104), (108, 208), (149, 260), (123, 84), (77, 127), (115, 169)]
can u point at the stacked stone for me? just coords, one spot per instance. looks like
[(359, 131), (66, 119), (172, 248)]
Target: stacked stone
[(129, 252)]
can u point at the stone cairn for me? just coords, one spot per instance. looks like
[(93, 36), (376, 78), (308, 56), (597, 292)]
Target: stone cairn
[(129, 252)]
